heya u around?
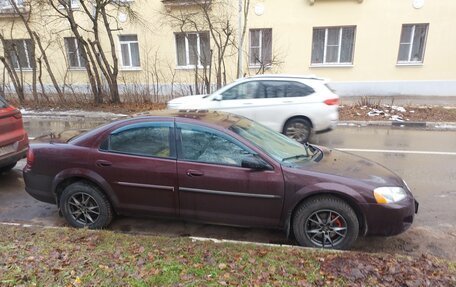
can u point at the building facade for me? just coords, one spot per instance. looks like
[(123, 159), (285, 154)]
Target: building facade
[(370, 47)]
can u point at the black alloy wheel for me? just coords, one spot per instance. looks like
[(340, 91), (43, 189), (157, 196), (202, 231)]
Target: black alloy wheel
[(325, 222), (84, 205)]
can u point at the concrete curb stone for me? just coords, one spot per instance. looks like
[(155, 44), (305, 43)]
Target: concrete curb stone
[(421, 125)]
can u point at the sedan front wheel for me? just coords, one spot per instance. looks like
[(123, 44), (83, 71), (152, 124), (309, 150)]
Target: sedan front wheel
[(325, 222)]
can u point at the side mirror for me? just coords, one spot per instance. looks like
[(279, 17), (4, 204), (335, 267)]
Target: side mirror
[(255, 163), (218, 97)]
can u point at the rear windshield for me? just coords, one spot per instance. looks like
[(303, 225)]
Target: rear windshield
[(3, 103)]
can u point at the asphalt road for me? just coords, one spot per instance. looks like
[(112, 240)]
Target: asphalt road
[(426, 159)]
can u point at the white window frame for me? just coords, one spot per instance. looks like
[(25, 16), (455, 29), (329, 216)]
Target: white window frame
[(78, 52), (187, 51), (7, 4), (74, 4), (410, 42), (261, 30), (339, 50), (130, 67), (29, 66)]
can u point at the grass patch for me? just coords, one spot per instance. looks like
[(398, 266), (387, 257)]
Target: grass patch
[(74, 257)]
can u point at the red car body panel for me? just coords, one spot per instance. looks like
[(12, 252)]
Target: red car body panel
[(13, 137)]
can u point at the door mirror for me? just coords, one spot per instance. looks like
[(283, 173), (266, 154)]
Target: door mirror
[(255, 163), (218, 97)]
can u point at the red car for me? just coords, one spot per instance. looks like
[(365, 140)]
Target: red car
[(220, 168), (13, 137)]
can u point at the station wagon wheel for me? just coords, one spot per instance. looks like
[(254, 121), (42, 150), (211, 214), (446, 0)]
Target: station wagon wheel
[(7, 168), (83, 205), (325, 222), (298, 129)]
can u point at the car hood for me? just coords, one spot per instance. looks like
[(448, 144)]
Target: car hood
[(351, 166), (185, 102)]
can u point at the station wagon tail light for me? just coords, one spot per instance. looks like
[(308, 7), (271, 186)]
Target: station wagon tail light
[(332, 102), (18, 115), (30, 157)]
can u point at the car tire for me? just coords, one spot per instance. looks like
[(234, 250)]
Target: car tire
[(298, 129), (325, 222), (84, 205), (7, 168)]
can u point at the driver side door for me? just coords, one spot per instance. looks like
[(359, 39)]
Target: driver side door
[(213, 185)]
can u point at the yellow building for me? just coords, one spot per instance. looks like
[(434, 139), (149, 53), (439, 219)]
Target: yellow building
[(370, 47)]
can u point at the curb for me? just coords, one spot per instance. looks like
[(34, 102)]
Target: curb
[(419, 125)]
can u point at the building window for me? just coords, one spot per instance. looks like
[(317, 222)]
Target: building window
[(74, 52), (413, 42), (6, 4), (333, 45), (193, 49), (129, 48), (19, 53), (260, 47)]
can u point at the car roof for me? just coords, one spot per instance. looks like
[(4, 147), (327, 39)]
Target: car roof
[(205, 116), (219, 119), (286, 76)]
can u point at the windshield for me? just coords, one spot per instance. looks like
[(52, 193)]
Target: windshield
[(275, 144)]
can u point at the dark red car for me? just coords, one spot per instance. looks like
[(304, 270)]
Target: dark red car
[(219, 168), (13, 137)]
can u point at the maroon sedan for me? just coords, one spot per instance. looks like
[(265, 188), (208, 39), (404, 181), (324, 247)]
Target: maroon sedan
[(219, 168), (13, 137)]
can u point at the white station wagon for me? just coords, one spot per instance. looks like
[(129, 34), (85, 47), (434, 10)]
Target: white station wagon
[(297, 106)]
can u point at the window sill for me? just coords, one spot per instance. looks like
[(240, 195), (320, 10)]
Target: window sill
[(405, 64), (130, 69), (24, 70), (190, 67), (331, 66), (267, 67)]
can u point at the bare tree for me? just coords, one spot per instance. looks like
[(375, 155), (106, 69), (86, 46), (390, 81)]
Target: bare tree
[(214, 17), (101, 63)]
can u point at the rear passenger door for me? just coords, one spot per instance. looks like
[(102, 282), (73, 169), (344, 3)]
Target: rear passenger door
[(276, 101), (139, 162)]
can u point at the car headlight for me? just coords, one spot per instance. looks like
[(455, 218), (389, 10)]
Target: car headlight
[(387, 194)]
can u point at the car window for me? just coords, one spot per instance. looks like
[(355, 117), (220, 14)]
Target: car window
[(242, 91), (3, 103), (298, 90), (209, 147), (145, 139)]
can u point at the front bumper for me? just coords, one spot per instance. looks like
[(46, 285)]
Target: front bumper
[(390, 219)]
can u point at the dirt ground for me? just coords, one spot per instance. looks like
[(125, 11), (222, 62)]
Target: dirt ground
[(401, 113)]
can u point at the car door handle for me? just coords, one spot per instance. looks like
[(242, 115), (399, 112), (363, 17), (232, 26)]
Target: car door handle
[(103, 163), (192, 172), (246, 103), (287, 102)]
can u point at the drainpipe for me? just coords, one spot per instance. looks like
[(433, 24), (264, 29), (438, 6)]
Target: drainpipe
[(240, 72)]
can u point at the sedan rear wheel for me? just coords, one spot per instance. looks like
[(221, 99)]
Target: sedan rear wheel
[(325, 222), (298, 129), (83, 205)]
